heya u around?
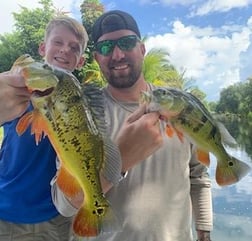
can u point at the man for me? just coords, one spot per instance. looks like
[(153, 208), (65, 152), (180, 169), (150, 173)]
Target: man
[(165, 183)]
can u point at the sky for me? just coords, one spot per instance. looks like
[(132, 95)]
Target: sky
[(211, 40)]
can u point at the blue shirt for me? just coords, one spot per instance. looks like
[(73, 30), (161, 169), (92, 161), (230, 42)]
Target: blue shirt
[(25, 174)]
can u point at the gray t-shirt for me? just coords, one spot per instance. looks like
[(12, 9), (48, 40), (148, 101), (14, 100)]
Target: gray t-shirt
[(154, 202)]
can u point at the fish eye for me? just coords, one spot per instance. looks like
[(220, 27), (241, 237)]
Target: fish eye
[(230, 163), (46, 66), (163, 91)]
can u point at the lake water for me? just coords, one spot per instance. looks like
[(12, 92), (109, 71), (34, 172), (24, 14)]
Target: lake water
[(232, 205)]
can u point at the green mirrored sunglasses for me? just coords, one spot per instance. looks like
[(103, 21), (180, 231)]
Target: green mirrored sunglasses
[(125, 43)]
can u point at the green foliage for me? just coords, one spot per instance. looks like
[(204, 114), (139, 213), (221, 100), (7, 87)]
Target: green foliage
[(235, 105), (93, 74), (236, 99), (29, 32), (90, 11), (31, 24), (157, 67), (158, 70), (1, 135), (11, 47)]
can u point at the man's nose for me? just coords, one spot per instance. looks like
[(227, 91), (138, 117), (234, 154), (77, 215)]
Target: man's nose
[(117, 53)]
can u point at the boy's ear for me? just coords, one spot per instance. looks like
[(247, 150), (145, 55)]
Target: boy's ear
[(81, 62), (41, 49)]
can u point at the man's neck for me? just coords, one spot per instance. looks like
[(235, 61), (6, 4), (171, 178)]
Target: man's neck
[(130, 94)]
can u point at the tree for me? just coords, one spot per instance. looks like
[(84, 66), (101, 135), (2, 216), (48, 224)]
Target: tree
[(157, 68), (11, 47), (229, 100), (31, 25), (29, 32), (90, 11)]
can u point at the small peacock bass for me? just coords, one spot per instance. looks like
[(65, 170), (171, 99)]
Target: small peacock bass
[(186, 116), (72, 116)]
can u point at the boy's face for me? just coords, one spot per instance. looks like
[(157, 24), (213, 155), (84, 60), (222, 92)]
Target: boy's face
[(62, 49)]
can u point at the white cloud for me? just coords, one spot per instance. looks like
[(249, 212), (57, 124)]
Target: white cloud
[(169, 2), (220, 6), (200, 7), (246, 56), (211, 56)]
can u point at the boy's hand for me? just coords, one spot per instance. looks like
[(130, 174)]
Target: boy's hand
[(14, 96)]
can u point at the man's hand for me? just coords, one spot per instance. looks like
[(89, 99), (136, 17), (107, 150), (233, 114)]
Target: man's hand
[(203, 235), (139, 137)]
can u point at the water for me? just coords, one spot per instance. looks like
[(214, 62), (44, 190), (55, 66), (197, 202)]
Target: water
[(232, 205)]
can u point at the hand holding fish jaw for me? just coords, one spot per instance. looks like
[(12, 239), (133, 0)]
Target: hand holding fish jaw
[(139, 137), (14, 96)]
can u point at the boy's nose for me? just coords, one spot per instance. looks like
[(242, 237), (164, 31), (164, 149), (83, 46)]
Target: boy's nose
[(64, 48)]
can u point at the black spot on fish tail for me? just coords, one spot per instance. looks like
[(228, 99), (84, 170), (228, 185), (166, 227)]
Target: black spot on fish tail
[(230, 164), (99, 209)]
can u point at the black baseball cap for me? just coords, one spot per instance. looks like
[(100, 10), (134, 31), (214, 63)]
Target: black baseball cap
[(112, 21)]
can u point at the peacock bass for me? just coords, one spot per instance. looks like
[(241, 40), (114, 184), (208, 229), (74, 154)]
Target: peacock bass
[(186, 116), (72, 116)]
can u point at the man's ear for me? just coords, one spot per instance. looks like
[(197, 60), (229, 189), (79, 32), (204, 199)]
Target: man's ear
[(143, 49), (81, 62), (41, 49)]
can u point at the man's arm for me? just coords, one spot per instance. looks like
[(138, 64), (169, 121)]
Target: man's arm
[(201, 199)]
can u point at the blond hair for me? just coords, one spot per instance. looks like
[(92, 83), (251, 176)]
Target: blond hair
[(73, 25)]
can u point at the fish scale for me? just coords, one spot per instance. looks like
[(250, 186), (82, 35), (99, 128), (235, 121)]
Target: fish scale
[(72, 117), (187, 117)]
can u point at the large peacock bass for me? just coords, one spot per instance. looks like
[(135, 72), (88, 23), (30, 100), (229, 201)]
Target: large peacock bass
[(72, 116), (186, 116)]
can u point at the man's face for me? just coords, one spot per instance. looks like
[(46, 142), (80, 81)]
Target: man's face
[(121, 68)]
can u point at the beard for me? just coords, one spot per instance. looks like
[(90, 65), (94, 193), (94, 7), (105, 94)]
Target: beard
[(121, 82), (124, 80)]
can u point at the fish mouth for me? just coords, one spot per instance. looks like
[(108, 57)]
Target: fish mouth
[(42, 93)]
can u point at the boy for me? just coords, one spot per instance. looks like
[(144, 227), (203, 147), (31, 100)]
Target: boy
[(26, 208)]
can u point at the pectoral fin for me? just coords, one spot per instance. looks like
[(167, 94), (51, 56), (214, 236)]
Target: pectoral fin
[(38, 125), (203, 157)]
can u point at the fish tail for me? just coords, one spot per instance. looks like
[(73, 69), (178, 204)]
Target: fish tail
[(90, 222), (231, 172)]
